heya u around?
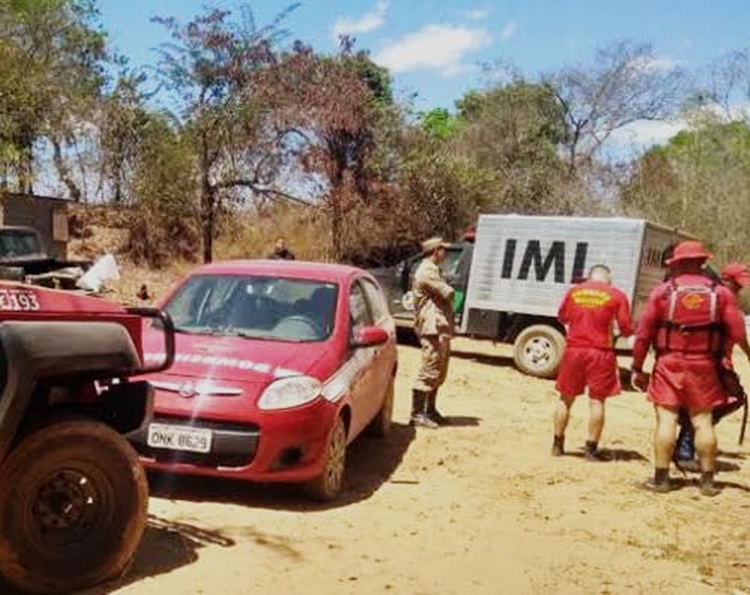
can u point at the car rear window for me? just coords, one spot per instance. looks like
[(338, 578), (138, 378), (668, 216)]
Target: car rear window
[(255, 307)]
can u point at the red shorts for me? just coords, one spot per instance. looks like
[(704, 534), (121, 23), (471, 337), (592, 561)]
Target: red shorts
[(679, 381), (587, 366)]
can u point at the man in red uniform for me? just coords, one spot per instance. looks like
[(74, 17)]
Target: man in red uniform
[(734, 277), (589, 310), (692, 322)]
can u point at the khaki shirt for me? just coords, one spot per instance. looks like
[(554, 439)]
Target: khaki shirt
[(433, 301)]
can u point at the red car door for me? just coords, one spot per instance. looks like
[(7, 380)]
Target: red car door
[(384, 361), (364, 386)]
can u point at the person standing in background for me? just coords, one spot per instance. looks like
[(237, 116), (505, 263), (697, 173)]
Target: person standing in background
[(281, 251)]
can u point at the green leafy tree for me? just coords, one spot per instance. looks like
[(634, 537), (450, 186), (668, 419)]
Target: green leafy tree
[(699, 181), (52, 58)]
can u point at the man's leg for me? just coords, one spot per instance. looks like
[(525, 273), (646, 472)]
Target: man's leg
[(664, 441), (706, 445), (444, 354), (425, 383), (596, 425), (562, 416)]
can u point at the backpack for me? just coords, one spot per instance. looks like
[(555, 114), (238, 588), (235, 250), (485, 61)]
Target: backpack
[(692, 309)]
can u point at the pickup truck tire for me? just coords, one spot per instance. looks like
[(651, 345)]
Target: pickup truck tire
[(73, 507), (538, 349)]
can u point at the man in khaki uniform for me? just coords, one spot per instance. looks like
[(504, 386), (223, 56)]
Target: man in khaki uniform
[(434, 325)]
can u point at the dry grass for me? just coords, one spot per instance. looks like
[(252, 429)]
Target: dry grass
[(253, 236), (245, 236)]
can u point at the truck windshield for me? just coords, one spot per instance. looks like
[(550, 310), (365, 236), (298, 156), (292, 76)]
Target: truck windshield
[(254, 307), (15, 243)]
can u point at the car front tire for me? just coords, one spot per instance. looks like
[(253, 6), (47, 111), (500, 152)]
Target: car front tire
[(328, 485)]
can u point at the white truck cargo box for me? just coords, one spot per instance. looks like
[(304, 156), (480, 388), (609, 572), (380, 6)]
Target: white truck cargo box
[(526, 264), (522, 266)]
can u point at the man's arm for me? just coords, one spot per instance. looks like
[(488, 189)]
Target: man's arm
[(563, 314), (430, 281), (624, 319), (734, 324), (646, 331)]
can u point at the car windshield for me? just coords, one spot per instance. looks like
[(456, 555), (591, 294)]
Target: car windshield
[(14, 243), (255, 307)]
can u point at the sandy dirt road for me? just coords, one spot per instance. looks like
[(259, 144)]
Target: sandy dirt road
[(478, 508)]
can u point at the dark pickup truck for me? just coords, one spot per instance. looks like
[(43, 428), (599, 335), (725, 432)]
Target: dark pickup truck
[(22, 255)]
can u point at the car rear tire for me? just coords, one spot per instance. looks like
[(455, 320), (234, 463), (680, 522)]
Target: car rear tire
[(73, 507), (380, 426), (538, 349), (328, 485)]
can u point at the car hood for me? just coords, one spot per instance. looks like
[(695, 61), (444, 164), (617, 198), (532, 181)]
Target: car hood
[(241, 360), (222, 377)]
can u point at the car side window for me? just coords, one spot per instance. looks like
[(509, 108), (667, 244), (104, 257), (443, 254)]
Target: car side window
[(378, 306), (359, 313)]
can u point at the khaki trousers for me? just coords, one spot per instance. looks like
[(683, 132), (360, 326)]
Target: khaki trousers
[(436, 352)]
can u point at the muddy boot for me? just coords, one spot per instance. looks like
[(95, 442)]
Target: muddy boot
[(659, 483), (558, 446), (593, 454), (419, 416), (707, 485), (432, 411)]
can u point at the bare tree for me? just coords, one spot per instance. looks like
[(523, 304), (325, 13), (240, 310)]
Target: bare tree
[(626, 82)]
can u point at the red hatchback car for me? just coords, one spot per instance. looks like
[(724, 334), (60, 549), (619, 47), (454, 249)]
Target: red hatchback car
[(279, 366)]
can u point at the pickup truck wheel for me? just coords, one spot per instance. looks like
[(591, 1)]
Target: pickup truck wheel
[(381, 423), (538, 350), (73, 506), (328, 485)]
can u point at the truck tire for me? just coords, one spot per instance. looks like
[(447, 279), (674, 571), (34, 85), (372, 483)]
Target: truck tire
[(538, 349), (73, 507)]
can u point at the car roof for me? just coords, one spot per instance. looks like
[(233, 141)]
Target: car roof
[(318, 271)]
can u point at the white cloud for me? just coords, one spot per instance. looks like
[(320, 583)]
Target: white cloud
[(438, 47), (654, 64), (374, 19), (476, 14), (647, 133), (508, 31)]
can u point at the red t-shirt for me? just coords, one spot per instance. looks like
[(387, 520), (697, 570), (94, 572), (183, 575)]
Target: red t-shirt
[(656, 312), (589, 310)]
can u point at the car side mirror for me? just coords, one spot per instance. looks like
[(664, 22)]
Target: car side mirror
[(370, 336)]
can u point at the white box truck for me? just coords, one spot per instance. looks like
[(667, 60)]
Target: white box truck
[(511, 279)]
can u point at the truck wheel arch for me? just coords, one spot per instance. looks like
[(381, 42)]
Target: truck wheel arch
[(41, 355)]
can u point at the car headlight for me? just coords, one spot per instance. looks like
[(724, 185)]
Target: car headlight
[(293, 391)]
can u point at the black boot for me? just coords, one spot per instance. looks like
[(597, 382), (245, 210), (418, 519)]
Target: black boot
[(707, 485), (419, 417), (432, 411), (558, 446), (593, 453)]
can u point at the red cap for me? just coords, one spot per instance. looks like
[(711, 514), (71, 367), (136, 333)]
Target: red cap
[(737, 272), (689, 250)]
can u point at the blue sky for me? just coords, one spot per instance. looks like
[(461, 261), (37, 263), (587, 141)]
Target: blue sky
[(434, 47)]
